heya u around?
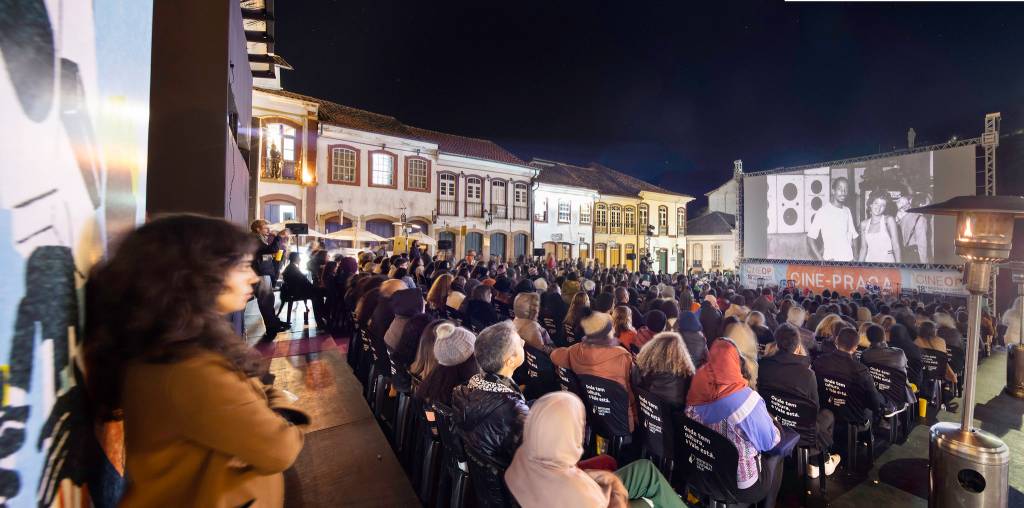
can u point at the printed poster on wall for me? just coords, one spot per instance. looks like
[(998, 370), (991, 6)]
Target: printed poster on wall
[(74, 92), (850, 279)]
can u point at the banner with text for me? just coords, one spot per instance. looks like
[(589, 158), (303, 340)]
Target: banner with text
[(848, 279)]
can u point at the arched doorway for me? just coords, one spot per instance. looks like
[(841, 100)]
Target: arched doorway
[(381, 227), (614, 259), (599, 253), (584, 251), (498, 245), (331, 225), (630, 253), (521, 243), (475, 242)]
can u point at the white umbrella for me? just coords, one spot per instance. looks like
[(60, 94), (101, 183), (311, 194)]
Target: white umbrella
[(350, 234), (423, 239)]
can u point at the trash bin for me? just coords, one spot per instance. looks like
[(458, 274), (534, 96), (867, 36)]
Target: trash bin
[(967, 469)]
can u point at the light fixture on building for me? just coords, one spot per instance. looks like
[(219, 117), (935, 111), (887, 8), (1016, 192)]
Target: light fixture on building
[(487, 218), (969, 467)]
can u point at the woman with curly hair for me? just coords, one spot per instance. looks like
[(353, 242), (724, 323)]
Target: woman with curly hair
[(200, 428)]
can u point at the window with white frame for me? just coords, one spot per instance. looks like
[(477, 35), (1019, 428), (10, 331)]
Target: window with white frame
[(383, 169), (498, 194), (716, 255), (601, 215), (541, 213), (585, 213), (418, 174), (520, 194), (615, 219), (447, 187), (662, 220), (630, 222), (474, 190), (564, 211), (343, 165), (643, 218), (697, 251), (681, 221)]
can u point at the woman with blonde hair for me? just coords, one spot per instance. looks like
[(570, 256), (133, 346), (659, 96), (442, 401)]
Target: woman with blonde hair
[(746, 343), (622, 326), (664, 368), (437, 297), (825, 327), (526, 308)]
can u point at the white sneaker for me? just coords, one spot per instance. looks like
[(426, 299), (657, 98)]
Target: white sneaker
[(830, 466)]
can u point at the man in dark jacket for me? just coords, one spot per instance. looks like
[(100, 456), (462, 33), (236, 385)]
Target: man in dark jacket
[(789, 372), (489, 409), (841, 377), (879, 354), (263, 265)]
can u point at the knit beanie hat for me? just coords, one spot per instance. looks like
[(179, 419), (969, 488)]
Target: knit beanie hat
[(655, 320), (503, 285), (688, 322), (597, 326), (525, 286), (540, 284), (527, 305), (454, 345)]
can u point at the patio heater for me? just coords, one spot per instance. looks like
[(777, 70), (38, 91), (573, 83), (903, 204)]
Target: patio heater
[(969, 467)]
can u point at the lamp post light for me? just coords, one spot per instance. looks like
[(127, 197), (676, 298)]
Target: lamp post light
[(969, 467)]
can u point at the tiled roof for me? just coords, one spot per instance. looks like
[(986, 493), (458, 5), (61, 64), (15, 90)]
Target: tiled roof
[(594, 176), (362, 120), (712, 223)]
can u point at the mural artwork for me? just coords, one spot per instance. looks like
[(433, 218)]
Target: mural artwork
[(74, 97)]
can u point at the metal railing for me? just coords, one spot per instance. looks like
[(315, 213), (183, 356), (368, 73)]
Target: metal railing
[(601, 229), (521, 212), (474, 209), (663, 229), (499, 211), (447, 207), (616, 229)]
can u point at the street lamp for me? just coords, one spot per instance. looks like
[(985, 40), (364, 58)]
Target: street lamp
[(969, 467)]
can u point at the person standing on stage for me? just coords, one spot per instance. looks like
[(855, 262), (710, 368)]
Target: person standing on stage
[(880, 234), (834, 225)]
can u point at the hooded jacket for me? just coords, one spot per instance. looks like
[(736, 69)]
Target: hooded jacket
[(605, 359), (490, 412), (404, 304)]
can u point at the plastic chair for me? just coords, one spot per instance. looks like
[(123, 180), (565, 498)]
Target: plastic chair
[(554, 329), (428, 448), (892, 385), (709, 462), (488, 480), (455, 471), (569, 334), (655, 421), (837, 394), (607, 404), (541, 375), (801, 416)]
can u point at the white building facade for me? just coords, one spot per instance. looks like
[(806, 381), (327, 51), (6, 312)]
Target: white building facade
[(723, 199), (711, 243), (333, 167), (563, 213)]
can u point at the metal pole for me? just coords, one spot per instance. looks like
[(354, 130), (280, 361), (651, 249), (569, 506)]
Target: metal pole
[(971, 367)]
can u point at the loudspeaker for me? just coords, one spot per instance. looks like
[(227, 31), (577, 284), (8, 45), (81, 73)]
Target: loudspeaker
[(790, 203), (444, 244), (630, 256), (298, 228), (816, 193), (538, 252)]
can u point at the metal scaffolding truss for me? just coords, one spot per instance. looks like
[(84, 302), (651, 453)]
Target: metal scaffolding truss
[(737, 174), (949, 144), (989, 141)]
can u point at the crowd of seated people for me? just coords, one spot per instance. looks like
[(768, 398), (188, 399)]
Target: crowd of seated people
[(705, 345)]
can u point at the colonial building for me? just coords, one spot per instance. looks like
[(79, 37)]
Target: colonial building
[(723, 199), (333, 166), (563, 211), (622, 210), (711, 241)]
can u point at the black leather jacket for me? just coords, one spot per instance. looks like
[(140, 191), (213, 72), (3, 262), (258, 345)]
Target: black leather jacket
[(489, 412)]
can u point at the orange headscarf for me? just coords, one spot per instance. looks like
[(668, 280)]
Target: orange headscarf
[(718, 378)]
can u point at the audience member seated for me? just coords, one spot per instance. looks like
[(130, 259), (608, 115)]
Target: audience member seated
[(927, 339), (788, 371), (405, 304), (880, 354), (743, 338), (296, 285), (599, 354), (439, 294), (544, 471), (624, 298), (720, 399), (689, 327), (842, 365), (384, 313), (490, 409), (654, 323), (664, 368), (480, 312), (527, 312), (796, 316), (622, 328), (899, 337), (453, 349), (710, 318), (756, 322)]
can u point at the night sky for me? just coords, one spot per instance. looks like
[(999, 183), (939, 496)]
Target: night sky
[(670, 92)]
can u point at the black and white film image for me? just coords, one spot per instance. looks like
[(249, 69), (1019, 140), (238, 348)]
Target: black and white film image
[(854, 213)]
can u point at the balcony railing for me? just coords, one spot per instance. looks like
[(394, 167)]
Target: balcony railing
[(616, 229), (521, 212), (663, 229), (601, 229), (447, 207), (474, 209), (499, 211)]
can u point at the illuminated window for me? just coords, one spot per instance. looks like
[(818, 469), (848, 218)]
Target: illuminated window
[(382, 173), (662, 220), (680, 221), (564, 211), (644, 218), (344, 165), (601, 212), (585, 213), (279, 151), (630, 224), (716, 255)]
